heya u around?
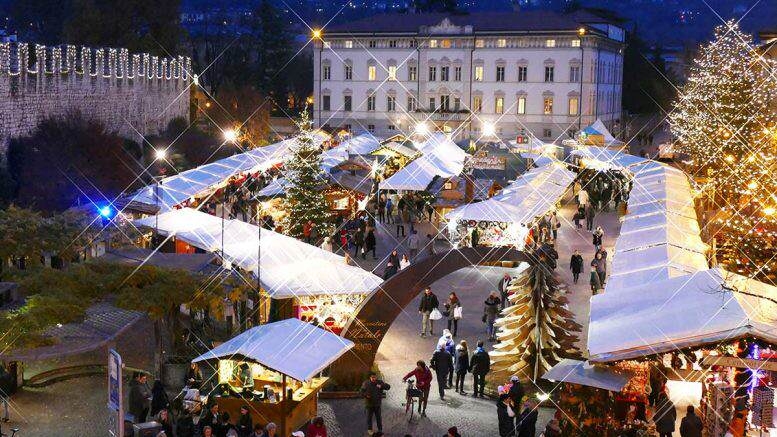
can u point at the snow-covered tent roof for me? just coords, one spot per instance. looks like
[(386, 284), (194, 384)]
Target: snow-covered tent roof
[(489, 210), (663, 235), (582, 373), (174, 190), (609, 158), (441, 157), (289, 266), (276, 187), (363, 144), (663, 206), (659, 220), (617, 282), (291, 347), (687, 311)]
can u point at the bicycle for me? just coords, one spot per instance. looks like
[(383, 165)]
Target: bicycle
[(410, 398)]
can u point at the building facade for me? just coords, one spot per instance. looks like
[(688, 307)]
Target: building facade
[(475, 75)]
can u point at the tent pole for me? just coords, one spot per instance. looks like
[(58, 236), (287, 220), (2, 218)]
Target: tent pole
[(283, 406)]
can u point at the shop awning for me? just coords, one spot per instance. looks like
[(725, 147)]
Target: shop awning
[(582, 373), (289, 267), (693, 310), (363, 144), (608, 158), (291, 347), (663, 206), (441, 157), (645, 238), (488, 210)]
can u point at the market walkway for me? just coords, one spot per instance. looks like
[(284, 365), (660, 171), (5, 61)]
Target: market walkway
[(402, 345)]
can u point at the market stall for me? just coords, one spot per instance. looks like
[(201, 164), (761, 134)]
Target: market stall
[(441, 157), (275, 370)]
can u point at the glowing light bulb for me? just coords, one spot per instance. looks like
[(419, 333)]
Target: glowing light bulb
[(421, 128), (230, 135), (489, 129), (160, 154)]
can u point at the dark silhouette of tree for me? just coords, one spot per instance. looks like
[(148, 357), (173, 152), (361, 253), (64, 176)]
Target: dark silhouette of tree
[(647, 87), (70, 161)]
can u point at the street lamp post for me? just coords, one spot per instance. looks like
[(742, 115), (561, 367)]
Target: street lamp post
[(159, 155)]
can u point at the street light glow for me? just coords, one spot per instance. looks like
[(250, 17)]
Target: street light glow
[(489, 129), (421, 128), (160, 154), (105, 211), (230, 135), (317, 33)]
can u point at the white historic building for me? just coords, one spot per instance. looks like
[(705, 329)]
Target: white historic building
[(479, 74)]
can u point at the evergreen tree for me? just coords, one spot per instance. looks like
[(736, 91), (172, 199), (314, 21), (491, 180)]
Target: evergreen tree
[(724, 121), (304, 199), (537, 330)]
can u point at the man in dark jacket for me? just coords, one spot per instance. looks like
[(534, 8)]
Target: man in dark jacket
[(479, 366), (428, 303), (665, 416), (691, 424), (576, 265), (526, 423), (358, 243), (372, 391), (442, 363), (139, 397)]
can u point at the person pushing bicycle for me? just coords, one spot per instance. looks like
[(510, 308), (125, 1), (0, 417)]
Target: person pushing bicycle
[(423, 377)]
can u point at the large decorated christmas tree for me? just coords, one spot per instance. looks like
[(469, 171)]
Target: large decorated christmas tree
[(725, 121), (305, 200), (536, 330)]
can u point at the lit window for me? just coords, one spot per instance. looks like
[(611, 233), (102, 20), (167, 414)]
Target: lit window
[(501, 43), (477, 103), (522, 105), (478, 73), (547, 105), (550, 43), (371, 72), (446, 44), (499, 105), (573, 105), (392, 72), (433, 43), (349, 44), (480, 43), (575, 43)]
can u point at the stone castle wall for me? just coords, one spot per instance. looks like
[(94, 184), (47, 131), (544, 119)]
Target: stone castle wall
[(131, 94)]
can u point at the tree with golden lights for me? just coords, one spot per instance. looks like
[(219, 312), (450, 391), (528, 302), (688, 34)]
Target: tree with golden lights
[(724, 120)]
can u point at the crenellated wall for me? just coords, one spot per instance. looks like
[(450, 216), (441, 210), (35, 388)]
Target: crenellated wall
[(131, 94)]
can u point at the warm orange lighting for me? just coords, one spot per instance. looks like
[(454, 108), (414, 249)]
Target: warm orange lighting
[(769, 210), (581, 31), (752, 185), (317, 34)]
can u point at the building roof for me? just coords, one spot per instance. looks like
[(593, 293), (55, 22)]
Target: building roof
[(481, 22)]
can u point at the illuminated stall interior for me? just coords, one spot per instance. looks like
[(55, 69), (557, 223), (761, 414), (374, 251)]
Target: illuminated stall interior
[(276, 370)]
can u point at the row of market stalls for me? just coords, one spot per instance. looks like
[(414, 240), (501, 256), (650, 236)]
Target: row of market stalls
[(669, 323), (505, 219), (319, 284)]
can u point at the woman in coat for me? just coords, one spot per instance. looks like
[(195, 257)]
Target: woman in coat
[(506, 421), (576, 265), (245, 424), (596, 285), (598, 235), (451, 304), (392, 265), (461, 365), (665, 416), (370, 243)]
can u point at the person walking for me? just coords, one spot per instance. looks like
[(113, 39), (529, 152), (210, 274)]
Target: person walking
[(446, 341), (413, 244), (451, 304), (503, 285), (428, 303), (576, 265), (462, 365), (555, 224), (526, 423), (423, 382), (307, 231), (372, 391), (442, 364), (479, 366), (600, 264), (389, 211), (596, 285), (582, 197), (475, 237), (358, 244), (665, 416), (392, 265), (598, 236), (691, 425), (370, 243), (579, 215), (490, 310), (590, 213), (382, 209)]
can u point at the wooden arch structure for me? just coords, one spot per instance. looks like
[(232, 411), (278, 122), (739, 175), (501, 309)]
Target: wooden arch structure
[(379, 310)]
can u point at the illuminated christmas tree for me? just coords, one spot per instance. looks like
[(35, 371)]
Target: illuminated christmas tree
[(305, 200), (537, 330), (723, 120)]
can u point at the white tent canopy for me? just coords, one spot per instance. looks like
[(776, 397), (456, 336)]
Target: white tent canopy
[(441, 157), (582, 373), (664, 235), (657, 256), (289, 267), (663, 206), (659, 220), (176, 189), (608, 158), (618, 282), (291, 347), (691, 310)]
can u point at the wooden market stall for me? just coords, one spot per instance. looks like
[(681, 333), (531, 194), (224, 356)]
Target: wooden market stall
[(275, 370)]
